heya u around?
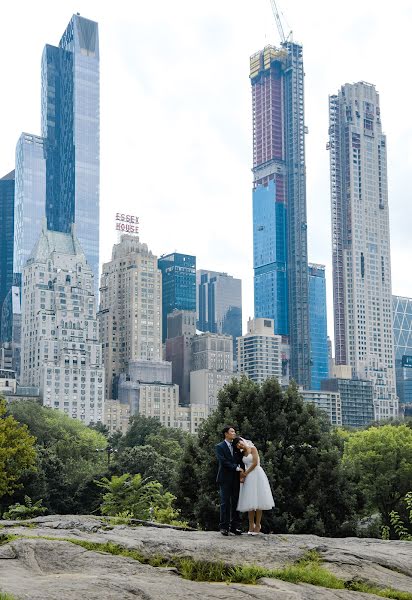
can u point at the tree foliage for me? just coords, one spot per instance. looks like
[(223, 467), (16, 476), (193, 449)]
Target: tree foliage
[(379, 460), (66, 456), (17, 452), (298, 451)]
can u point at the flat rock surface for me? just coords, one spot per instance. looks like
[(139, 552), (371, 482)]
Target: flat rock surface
[(35, 568)]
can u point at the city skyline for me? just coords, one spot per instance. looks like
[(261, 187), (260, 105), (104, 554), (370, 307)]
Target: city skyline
[(227, 125)]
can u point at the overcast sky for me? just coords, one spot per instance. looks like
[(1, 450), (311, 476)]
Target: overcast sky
[(176, 143)]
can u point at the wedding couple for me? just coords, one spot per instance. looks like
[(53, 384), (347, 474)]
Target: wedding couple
[(243, 484)]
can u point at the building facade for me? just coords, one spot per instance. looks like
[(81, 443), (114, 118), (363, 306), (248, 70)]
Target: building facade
[(329, 402), (61, 353), (279, 199), (130, 309), (178, 284), (6, 237), (70, 120), (29, 204), (212, 367), (10, 327), (357, 400), (402, 338), (361, 242), (219, 305), (260, 351), (318, 325), (181, 328)]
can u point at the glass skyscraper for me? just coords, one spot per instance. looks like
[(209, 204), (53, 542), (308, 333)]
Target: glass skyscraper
[(30, 191), (220, 304), (6, 236), (279, 199), (178, 284), (70, 126), (402, 341), (318, 325), (269, 257)]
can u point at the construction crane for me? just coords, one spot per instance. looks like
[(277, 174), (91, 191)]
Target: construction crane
[(279, 23)]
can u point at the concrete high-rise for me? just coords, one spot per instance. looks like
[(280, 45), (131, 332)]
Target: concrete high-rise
[(70, 126), (61, 353), (6, 236), (181, 329), (212, 367), (219, 305), (259, 351), (130, 309), (279, 199), (178, 284), (318, 325), (361, 242)]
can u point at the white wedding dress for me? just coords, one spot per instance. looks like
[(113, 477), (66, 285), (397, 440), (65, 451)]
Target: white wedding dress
[(255, 492)]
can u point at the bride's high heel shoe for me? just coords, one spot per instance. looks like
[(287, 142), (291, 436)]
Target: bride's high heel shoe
[(257, 530)]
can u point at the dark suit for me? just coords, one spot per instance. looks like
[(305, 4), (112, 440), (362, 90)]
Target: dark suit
[(228, 479)]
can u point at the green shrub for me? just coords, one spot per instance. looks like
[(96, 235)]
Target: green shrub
[(27, 510)]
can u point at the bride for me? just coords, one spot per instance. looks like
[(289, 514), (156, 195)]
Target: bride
[(255, 493)]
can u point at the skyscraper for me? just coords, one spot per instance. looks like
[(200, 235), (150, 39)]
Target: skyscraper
[(402, 339), (318, 325), (70, 124), (361, 242), (181, 328), (178, 284), (60, 352), (130, 309), (219, 304), (279, 199), (259, 351), (6, 236), (30, 193)]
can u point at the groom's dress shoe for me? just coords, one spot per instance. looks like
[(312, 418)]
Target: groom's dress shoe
[(224, 532), (236, 531)]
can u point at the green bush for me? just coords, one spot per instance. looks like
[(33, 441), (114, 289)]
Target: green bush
[(28, 510), (140, 498)]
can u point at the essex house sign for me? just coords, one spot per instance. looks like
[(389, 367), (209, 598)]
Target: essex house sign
[(127, 223)]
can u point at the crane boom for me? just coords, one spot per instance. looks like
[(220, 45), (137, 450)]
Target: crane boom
[(279, 22)]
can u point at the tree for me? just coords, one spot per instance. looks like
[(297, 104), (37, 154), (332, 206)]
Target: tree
[(298, 451), (66, 456), (139, 429), (149, 463), (17, 452), (379, 460), (100, 427)]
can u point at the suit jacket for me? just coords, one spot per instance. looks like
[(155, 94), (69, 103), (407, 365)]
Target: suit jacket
[(227, 470)]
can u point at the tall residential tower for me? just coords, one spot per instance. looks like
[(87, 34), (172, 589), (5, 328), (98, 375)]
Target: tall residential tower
[(361, 242), (70, 123), (279, 199)]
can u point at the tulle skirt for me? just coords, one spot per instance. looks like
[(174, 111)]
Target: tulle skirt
[(255, 493)]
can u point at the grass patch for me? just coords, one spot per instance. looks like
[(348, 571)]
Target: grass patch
[(4, 596), (5, 538), (366, 588)]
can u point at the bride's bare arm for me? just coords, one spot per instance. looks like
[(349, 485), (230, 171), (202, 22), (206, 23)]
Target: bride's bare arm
[(255, 457)]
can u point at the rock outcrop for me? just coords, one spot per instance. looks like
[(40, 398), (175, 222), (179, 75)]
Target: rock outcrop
[(33, 567)]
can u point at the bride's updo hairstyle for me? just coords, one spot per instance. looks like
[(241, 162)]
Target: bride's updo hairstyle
[(236, 441)]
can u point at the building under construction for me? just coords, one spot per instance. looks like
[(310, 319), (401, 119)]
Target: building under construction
[(279, 199)]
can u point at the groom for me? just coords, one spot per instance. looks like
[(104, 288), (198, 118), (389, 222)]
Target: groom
[(228, 478)]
